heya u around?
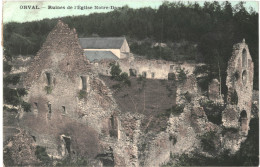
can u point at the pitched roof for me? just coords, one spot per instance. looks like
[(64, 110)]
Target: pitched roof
[(102, 43), (99, 55)]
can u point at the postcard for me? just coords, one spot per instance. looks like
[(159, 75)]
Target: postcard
[(130, 83)]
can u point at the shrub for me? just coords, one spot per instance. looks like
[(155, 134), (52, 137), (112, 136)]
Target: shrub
[(175, 110), (68, 161), (115, 70), (82, 94), (11, 79), (48, 89), (207, 141), (182, 76), (26, 106), (231, 129), (41, 154), (213, 111), (7, 67)]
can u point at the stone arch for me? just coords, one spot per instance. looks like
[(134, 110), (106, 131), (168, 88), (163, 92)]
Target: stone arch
[(244, 77), (243, 121), (244, 58)]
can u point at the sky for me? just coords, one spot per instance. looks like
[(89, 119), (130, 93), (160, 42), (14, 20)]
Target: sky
[(14, 11)]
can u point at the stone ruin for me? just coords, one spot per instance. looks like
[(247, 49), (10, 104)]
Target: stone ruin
[(239, 81), (75, 114)]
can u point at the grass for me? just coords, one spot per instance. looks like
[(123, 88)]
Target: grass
[(82, 94), (48, 89)]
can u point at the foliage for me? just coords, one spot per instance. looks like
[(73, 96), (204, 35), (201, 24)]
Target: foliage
[(248, 154), (11, 79), (7, 158), (215, 27), (48, 89), (207, 141), (82, 94), (213, 111), (182, 76), (118, 76), (42, 155), (175, 110), (201, 69), (7, 67), (115, 70), (68, 161), (26, 106), (232, 130), (173, 139)]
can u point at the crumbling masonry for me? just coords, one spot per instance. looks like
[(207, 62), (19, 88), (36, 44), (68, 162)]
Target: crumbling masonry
[(74, 112)]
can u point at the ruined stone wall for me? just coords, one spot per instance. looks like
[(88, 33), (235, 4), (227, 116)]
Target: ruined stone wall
[(154, 69), (240, 88), (63, 105)]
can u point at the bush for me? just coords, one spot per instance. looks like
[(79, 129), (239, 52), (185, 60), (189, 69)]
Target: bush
[(213, 111), (48, 89), (11, 79), (207, 141), (26, 106), (175, 110), (115, 70), (7, 67), (42, 155), (82, 94), (68, 161), (182, 76)]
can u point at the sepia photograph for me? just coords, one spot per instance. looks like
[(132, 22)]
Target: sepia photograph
[(121, 83)]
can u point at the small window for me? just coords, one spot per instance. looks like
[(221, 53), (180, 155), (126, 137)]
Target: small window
[(153, 74), (63, 110), (244, 58), (132, 72), (48, 76), (35, 105), (144, 74), (49, 108), (83, 81)]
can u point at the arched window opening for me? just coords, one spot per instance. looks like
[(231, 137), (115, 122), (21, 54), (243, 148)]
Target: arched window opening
[(132, 72), (244, 58), (83, 82), (244, 77), (144, 74), (243, 121), (48, 76)]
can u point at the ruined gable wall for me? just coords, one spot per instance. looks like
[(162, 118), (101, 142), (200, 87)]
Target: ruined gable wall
[(239, 80), (60, 40), (81, 117)]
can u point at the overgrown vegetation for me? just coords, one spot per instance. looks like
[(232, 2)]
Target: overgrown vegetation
[(182, 76), (174, 110), (248, 155), (42, 155), (213, 111), (214, 27), (116, 74), (78, 161), (48, 89), (207, 141), (82, 94)]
